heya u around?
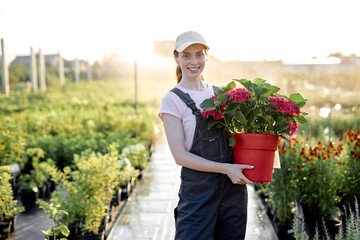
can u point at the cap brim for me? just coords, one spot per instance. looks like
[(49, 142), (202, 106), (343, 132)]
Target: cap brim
[(182, 47)]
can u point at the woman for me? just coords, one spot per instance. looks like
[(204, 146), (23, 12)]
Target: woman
[(213, 195)]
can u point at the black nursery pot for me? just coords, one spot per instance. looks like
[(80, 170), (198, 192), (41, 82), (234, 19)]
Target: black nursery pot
[(116, 197), (5, 229), (28, 199), (13, 221), (100, 236), (125, 191), (141, 171), (284, 231), (313, 220), (52, 186), (42, 192)]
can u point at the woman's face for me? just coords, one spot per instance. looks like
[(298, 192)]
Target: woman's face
[(192, 61)]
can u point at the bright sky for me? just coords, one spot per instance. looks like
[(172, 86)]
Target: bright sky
[(291, 30)]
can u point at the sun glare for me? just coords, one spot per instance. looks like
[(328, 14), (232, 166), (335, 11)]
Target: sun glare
[(235, 30)]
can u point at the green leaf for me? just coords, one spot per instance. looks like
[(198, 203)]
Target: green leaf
[(232, 141), (301, 120), (211, 124), (240, 117), (64, 230), (208, 104), (231, 107), (286, 141), (246, 83), (251, 117), (230, 86), (298, 99), (222, 98), (273, 90), (259, 81)]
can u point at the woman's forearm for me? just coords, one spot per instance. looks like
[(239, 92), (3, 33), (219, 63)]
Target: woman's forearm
[(190, 160)]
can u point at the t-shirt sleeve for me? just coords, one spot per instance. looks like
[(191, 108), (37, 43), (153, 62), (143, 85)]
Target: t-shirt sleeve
[(171, 104)]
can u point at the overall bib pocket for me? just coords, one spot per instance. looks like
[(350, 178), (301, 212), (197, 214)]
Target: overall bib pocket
[(211, 144)]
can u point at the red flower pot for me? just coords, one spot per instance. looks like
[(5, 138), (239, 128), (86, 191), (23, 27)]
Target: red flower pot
[(257, 150)]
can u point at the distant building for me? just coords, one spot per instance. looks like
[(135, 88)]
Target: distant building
[(50, 60)]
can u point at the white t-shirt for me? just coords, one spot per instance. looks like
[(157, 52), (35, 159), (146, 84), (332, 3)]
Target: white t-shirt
[(172, 104)]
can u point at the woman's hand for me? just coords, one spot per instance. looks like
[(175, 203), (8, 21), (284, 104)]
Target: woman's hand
[(235, 173)]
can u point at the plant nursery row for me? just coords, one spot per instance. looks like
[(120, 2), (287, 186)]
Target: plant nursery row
[(318, 185), (76, 152)]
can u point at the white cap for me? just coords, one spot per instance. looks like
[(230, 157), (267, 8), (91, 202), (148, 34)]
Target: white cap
[(189, 38)]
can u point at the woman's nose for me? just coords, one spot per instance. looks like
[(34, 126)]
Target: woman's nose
[(193, 60)]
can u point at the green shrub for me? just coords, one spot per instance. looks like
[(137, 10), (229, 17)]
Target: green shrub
[(87, 190)]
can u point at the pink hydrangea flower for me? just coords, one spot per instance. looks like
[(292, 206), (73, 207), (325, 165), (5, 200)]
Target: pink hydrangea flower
[(239, 95), (293, 127), (285, 106), (215, 114)]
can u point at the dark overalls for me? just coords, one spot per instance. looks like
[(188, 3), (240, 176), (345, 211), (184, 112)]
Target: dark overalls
[(210, 205)]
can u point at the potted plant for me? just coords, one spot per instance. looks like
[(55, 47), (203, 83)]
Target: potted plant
[(58, 230), (8, 205), (29, 191), (126, 172), (86, 197), (255, 116), (36, 178), (350, 179), (137, 154), (318, 177)]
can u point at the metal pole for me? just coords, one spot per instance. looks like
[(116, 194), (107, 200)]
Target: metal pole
[(61, 70), (33, 71), (135, 83), (5, 71), (89, 71), (77, 70), (42, 80)]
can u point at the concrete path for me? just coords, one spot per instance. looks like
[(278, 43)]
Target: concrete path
[(148, 213)]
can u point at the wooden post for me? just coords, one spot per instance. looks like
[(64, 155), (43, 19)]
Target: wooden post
[(89, 71), (42, 80), (135, 83), (33, 71), (61, 70), (5, 71), (77, 70)]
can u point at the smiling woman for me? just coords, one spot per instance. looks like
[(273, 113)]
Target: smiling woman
[(209, 178)]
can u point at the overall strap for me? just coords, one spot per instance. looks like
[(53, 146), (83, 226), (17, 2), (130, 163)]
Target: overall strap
[(185, 97)]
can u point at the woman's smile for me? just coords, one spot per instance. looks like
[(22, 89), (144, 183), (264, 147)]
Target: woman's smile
[(194, 69)]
